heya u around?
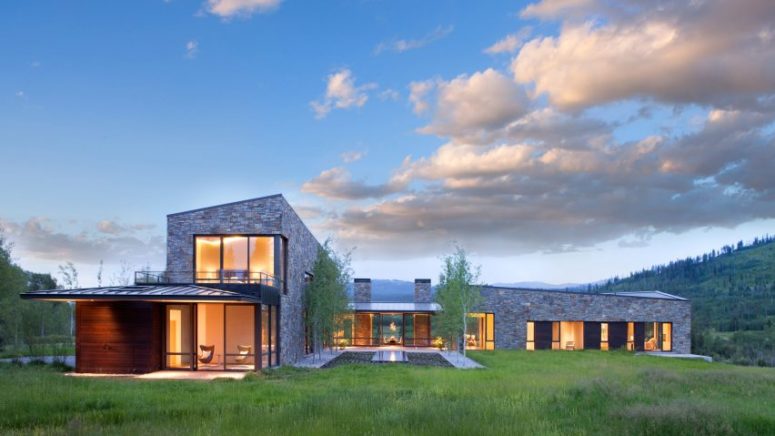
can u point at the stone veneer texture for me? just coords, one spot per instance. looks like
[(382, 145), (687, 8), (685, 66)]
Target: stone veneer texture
[(513, 308), (270, 215)]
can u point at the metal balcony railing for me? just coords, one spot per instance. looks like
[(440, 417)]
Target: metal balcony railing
[(224, 276)]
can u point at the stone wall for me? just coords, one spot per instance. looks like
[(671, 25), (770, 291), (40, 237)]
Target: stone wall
[(362, 290), (513, 308), (422, 291), (270, 215)]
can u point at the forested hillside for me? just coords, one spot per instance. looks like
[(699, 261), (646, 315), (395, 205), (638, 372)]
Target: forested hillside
[(26, 326), (733, 298)]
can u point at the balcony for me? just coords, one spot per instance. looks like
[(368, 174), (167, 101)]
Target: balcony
[(220, 277)]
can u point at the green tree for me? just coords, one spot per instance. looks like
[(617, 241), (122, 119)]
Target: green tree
[(458, 293), (325, 297)]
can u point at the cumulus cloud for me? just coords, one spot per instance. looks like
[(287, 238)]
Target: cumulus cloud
[(246, 8), (709, 52), (553, 8), (39, 238), (402, 45), (510, 43), (341, 93), (338, 183), (468, 107)]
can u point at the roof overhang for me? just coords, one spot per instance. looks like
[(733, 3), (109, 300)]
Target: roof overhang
[(160, 294), (395, 307)]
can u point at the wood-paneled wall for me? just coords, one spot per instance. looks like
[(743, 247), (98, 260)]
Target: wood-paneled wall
[(118, 337)]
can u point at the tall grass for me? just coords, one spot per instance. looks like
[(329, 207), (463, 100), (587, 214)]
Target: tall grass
[(519, 393)]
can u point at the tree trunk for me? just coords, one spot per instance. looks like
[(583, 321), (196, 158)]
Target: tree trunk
[(465, 329)]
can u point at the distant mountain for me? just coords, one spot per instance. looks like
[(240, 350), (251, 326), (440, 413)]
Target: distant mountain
[(543, 285), (390, 290), (732, 291)]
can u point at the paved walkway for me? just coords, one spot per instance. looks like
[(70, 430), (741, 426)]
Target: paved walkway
[(460, 361), (678, 355), (456, 359)]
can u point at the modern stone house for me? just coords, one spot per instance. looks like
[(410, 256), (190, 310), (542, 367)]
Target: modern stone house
[(231, 299), (530, 319)]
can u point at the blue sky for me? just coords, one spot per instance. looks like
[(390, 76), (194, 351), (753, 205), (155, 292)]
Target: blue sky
[(114, 114)]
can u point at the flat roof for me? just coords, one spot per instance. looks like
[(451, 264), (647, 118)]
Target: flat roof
[(387, 306), (141, 293), (633, 294)]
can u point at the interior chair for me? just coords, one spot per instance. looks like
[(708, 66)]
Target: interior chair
[(570, 345), (244, 351), (207, 352)]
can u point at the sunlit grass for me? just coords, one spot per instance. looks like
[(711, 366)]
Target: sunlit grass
[(520, 392)]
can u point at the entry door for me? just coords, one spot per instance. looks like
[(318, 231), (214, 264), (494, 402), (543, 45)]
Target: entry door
[(179, 336)]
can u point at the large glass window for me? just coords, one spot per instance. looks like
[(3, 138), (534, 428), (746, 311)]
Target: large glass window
[(209, 334), (630, 336), (240, 334), (650, 338), (265, 345), (208, 258), (531, 336), (392, 329), (274, 351), (237, 259), (604, 336), (480, 331), (667, 336), (179, 339), (572, 335), (555, 335)]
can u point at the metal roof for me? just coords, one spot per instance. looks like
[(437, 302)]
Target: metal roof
[(646, 294), (395, 307), (141, 293)]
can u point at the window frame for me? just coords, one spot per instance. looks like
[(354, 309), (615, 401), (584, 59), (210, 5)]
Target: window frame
[(281, 263)]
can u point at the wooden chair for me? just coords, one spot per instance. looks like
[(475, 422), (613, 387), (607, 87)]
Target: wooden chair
[(570, 345)]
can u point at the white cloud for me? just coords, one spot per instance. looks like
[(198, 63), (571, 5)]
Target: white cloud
[(338, 183), (467, 108), (341, 93), (552, 8), (417, 95), (231, 8), (352, 156), (402, 45), (192, 49), (675, 54), (389, 94), (509, 44)]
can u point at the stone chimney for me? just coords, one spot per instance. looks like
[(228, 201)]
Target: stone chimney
[(422, 291), (362, 290)]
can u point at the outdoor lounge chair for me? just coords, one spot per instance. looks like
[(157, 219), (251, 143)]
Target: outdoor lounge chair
[(244, 351), (207, 353)]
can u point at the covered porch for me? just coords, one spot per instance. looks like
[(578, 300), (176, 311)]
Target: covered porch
[(146, 329)]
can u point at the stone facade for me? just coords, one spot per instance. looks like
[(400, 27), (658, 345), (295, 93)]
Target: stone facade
[(513, 308), (422, 291), (362, 290), (270, 215)]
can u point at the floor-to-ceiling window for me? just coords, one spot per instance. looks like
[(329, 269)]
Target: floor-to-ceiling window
[(179, 339), (274, 351), (604, 336), (239, 259), (630, 336), (480, 331), (209, 334), (530, 343), (265, 343), (240, 336), (392, 329), (572, 335), (667, 336)]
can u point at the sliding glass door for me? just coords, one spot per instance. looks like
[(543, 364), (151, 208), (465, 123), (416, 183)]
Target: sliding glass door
[(179, 338)]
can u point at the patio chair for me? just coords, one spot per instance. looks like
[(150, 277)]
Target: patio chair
[(207, 353), (244, 351), (570, 345)]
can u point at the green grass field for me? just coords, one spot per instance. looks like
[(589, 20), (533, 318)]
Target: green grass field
[(520, 393)]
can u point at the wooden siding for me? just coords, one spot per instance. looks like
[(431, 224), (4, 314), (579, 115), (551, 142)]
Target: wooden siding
[(118, 337)]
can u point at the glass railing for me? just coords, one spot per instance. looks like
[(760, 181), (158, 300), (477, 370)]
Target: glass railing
[(205, 277)]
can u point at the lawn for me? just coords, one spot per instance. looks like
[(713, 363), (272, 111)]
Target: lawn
[(520, 393)]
